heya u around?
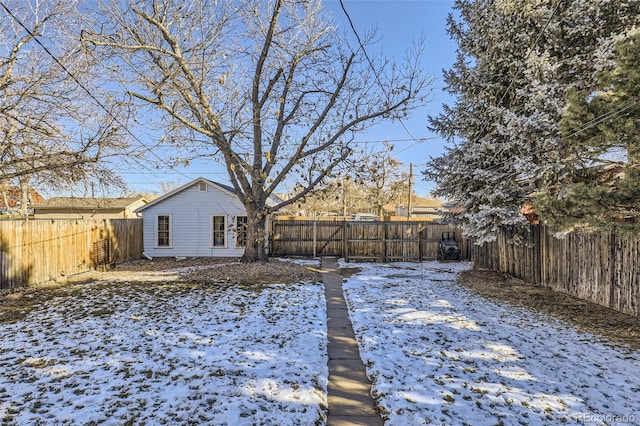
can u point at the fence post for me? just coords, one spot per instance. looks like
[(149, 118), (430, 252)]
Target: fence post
[(613, 266), (315, 238), (385, 243), (345, 248)]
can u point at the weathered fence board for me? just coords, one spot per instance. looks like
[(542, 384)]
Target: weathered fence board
[(602, 267), (360, 241), (365, 241), (40, 251), (402, 241)]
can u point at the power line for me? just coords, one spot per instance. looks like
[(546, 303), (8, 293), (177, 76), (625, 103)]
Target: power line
[(84, 88), (512, 82), (353, 28), (428, 138), (407, 147), (371, 141), (598, 120), (156, 173)]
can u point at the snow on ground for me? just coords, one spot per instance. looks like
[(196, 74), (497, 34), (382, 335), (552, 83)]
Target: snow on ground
[(161, 352), (166, 353), (438, 354)]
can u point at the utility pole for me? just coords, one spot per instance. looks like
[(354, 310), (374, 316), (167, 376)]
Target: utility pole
[(410, 190)]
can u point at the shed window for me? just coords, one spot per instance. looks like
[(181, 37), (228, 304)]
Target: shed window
[(241, 231), (203, 187), (163, 228), (219, 231)]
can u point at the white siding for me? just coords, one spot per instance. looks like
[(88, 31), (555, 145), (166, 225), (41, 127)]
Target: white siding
[(191, 211)]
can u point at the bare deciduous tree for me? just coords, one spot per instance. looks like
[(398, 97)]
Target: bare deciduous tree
[(382, 179), (368, 181), (269, 88), (51, 130)]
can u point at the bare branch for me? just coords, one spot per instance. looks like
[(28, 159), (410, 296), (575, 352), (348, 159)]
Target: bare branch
[(272, 85), (51, 130)]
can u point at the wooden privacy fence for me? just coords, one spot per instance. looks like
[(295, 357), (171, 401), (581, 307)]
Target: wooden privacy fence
[(40, 251), (603, 268), (360, 241)]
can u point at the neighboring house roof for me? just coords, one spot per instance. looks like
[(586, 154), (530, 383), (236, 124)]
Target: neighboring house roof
[(222, 187), (14, 196), (418, 204), (425, 202), (453, 207), (75, 203)]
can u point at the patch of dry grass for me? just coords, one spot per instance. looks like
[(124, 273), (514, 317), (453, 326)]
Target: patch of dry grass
[(177, 272), (579, 313)]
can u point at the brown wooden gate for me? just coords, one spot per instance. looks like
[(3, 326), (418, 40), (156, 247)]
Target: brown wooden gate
[(360, 241)]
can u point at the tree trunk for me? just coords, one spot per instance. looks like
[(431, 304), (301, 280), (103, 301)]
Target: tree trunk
[(5, 199), (24, 202), (255, 250)]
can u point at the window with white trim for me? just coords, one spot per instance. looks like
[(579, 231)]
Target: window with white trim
[(241, 231), (163, 230), (218, 231)]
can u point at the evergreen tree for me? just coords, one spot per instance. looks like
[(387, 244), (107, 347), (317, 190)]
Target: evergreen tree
[(600, 123), (516, 62), (482, 170)]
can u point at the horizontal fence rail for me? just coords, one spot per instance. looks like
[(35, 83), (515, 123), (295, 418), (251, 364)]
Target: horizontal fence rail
[(40, 251), (360, 241), (602, 268)]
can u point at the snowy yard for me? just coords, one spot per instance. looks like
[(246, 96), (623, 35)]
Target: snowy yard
[(164, 353), (153, 351), (438, 354)]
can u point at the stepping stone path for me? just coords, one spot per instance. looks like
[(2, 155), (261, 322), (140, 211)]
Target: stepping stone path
[(350, 401)]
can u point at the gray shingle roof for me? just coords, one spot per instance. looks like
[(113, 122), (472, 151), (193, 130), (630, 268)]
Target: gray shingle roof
[(87, 203)]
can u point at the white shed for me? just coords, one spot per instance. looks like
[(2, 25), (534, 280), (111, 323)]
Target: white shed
[(200, 219)]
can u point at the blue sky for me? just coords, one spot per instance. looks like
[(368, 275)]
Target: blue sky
[(399, 23)]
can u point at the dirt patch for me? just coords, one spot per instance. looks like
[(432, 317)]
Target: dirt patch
[(196, 271), (272, 272), (579, 313), (169, 263), (349, 272), (208, 270)]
